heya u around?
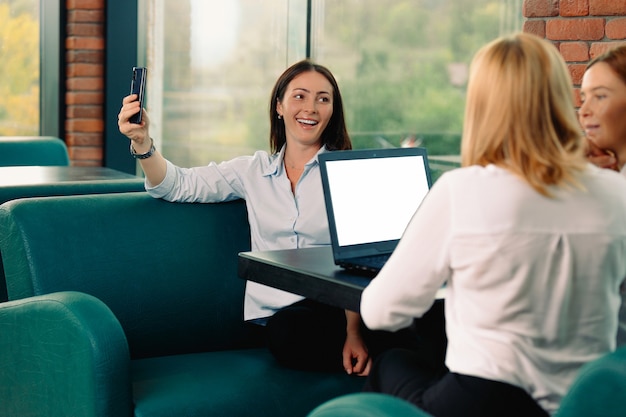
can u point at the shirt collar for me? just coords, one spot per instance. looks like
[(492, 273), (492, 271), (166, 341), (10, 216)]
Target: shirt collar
[(276, 167)]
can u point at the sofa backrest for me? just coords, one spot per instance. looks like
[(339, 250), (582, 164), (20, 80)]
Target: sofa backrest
[(57, 188), (168, 271), (33, 150)]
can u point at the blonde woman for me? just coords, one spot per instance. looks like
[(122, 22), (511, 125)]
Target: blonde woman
[(528, 236)]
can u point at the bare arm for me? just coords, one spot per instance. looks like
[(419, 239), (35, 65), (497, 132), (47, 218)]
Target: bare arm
[(155, 166), (356, 359)]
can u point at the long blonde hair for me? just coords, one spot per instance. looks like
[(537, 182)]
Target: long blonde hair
[(520, 113)]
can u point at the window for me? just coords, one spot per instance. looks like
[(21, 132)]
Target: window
[(211, 69), (19, 72), (401, 65)]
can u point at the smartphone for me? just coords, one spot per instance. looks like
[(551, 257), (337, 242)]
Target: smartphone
[(138, 86)]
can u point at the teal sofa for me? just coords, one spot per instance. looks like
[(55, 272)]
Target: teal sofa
[(121, 305), (367, 404), (33, 150), (60, 188)]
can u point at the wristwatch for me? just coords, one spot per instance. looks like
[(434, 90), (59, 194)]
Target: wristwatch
[(143, 155)]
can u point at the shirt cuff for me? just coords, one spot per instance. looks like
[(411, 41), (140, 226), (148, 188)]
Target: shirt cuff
[(162, 189)]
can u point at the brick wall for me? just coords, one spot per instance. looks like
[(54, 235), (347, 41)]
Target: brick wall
[(581, 29), (84, 124)]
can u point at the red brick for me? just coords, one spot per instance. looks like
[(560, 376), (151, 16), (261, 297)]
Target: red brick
[(84, 125), (575, 29), (576, 71), (574, 51), (536, 27), (85, 4), (616, 28), (85, 29), (84, 98), (577, 100), (84, 112), (598, 48), (607, 7), (87, 153), (85, 84), (90, 56), (85, 16), (540, 8), (84, 43), (84, 70), (574, 8), (84, 139)]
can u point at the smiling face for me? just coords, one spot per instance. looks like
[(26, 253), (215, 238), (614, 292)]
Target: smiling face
[(603, 111), (306, 108)]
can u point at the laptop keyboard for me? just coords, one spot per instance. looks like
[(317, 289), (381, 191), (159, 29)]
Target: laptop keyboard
[(371, 264)]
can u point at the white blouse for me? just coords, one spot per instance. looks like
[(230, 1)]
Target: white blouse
[(278, 218), (533, 283)]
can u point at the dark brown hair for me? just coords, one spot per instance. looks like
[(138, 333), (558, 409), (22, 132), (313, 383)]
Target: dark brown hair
[(335, 136), (615, 58)]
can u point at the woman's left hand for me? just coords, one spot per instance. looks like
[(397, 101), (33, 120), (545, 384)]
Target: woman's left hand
[(356, 358)]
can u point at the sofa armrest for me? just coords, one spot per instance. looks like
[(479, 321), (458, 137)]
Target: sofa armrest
[(63, 354)]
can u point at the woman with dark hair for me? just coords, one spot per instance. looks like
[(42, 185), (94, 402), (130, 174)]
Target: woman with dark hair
[(602, 113), (284, 197)]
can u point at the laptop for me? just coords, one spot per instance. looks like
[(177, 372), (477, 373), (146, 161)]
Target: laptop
[(371, 195)]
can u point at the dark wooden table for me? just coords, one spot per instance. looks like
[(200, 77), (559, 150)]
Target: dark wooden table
[(310, 272), (36, 175), (42, 181)]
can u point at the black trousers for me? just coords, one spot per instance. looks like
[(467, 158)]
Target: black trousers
[(310, 335), (404, 373)]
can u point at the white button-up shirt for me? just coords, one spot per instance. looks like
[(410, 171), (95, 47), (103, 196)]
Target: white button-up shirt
[(533, 283), (279, 219)]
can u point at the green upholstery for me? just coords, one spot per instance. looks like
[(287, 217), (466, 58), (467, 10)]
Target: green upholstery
[(12, 192), (231, 383), (367, 405), (168, 274), (64, 350), (599, 390), (33, 150)]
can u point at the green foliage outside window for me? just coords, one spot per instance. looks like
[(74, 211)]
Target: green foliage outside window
[(403, 65), (19, 70)]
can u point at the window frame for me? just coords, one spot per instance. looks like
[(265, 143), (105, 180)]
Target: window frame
[(123, 26), (51, 53)]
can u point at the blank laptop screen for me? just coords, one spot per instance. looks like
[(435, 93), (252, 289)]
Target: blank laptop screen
[(374, 199)]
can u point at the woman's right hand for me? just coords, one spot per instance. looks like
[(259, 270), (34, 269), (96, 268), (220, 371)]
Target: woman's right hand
[(601, 157), (137, 133)]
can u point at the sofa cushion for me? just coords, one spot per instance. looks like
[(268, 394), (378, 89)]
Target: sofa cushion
[(168, 271), (234, 383)]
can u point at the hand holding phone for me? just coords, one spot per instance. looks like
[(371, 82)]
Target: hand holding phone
[(138, 86)]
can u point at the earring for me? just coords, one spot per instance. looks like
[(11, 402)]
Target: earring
[(280, 116)]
